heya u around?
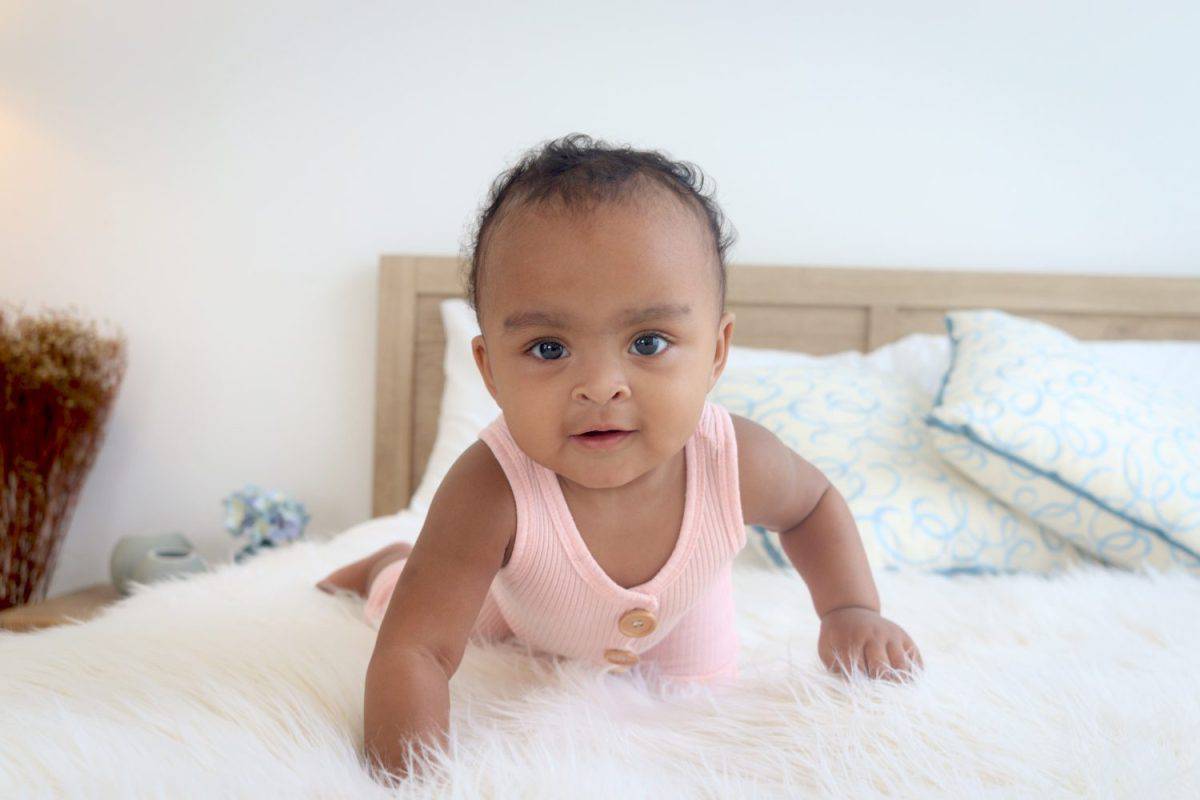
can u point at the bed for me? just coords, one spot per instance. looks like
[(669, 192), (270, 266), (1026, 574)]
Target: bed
[(247, 681)]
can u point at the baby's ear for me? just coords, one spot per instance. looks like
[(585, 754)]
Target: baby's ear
[(479, 351), (721, 351)]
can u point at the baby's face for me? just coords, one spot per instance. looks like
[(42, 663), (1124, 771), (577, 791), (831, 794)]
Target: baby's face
[(606, 321)]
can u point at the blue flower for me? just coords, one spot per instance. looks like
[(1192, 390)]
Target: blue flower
[(264, 518)]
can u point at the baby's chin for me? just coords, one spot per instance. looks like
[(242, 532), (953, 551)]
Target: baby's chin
[(593, 481), (606, 470)]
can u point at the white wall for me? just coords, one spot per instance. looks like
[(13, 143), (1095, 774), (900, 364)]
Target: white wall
[(219, 179)]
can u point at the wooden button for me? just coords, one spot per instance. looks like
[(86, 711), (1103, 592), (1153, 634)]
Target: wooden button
[(626, 658), (638, 622)]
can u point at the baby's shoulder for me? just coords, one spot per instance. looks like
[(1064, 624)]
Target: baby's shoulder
[(778, 487), (475, 492)]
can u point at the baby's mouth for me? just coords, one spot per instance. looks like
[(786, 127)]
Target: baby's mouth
[(602, 439)]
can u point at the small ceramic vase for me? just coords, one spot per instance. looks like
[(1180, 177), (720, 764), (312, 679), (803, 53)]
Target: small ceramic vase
[(164, 562)]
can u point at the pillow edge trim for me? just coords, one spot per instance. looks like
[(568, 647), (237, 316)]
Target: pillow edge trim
[(967, 432)]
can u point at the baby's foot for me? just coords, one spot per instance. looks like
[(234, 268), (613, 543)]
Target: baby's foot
[(357, 577), (352, 577)]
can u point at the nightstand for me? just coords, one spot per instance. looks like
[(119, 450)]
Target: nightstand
[(76, 606)]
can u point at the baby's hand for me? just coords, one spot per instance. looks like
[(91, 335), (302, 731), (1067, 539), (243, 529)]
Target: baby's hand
[(862, 637)]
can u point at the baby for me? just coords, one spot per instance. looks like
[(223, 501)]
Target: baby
[(598, 516)]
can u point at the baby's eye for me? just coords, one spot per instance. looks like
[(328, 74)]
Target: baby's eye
[(547, 350), (640, 344)]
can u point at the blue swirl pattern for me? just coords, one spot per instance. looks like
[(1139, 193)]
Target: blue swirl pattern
[(864, 430), (1105, 461)]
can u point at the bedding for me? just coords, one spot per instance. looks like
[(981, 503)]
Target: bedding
[(1173, 365), (248, 682), (1107, 461), (863, 429)]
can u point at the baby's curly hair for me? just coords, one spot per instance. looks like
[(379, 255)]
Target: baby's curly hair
[(581, 172)]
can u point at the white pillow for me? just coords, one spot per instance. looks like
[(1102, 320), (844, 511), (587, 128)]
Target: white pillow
[(1174, 365), (467, 407), (1106, 460), (752, 357), (863, 429)]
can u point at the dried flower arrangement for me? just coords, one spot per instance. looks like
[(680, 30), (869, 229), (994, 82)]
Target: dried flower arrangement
[(59, 376)]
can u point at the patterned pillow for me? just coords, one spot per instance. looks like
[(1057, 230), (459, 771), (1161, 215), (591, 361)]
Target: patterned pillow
[(863, 429), (1107, 462)]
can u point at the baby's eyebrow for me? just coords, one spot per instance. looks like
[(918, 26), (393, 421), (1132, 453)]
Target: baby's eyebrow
[(630, 316)]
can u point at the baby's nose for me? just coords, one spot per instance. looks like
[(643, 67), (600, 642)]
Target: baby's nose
[(601, 385)]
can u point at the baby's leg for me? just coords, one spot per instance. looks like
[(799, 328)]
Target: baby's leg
[(357, 577), (703, 646)]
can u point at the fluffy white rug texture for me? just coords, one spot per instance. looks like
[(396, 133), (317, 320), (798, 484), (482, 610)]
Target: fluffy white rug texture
[(248, 682)]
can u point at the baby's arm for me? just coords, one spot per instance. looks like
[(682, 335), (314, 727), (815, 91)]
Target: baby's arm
[(433, 609), (783, 492)]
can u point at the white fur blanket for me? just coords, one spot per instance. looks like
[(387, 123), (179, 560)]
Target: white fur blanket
[(248, 682)]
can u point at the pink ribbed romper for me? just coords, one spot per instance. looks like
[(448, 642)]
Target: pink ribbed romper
[(554, 597)]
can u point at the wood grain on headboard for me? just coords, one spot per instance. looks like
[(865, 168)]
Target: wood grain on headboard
[(840, 308)]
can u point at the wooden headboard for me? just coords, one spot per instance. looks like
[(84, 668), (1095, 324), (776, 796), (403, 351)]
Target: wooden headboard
[(840, 309)]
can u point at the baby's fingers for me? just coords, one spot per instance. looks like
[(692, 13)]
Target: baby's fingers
[(904, 658), (845, 659), (876, 658), (914, 655)]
